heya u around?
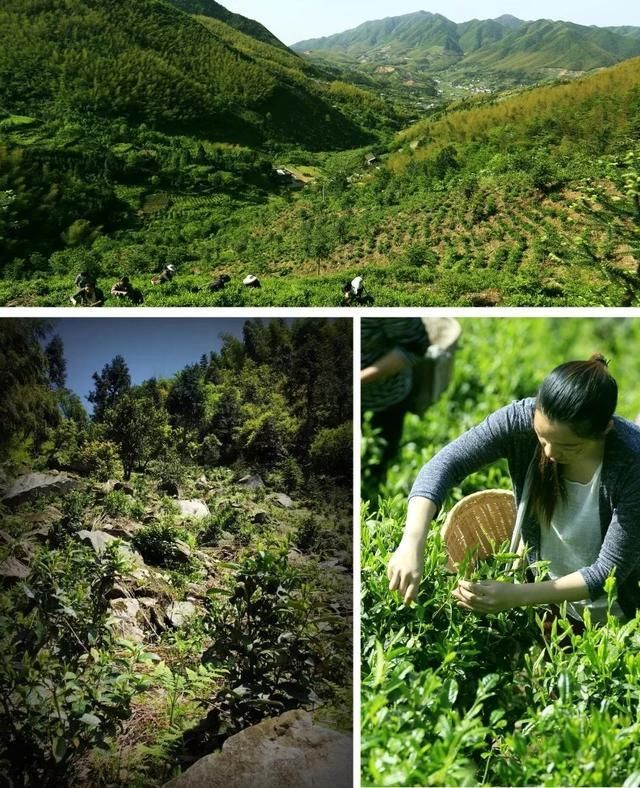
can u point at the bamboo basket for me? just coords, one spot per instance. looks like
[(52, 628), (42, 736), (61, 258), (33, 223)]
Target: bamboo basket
[(479, 522), (432, 374)]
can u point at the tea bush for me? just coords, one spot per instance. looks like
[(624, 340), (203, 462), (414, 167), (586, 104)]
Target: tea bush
[(100, 458), (65, 683), (157, 543), (280, 646), (118, 504), (224, 518), (308, 534)]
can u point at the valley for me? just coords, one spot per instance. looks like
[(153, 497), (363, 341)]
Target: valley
[(486, 163)]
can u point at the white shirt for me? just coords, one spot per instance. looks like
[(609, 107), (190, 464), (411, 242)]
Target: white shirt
[(573, 540)]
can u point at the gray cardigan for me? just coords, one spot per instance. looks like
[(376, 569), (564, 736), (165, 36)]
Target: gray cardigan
[(509, 433)]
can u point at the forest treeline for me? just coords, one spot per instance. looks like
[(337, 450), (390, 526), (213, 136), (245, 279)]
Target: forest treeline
[(276, 402)]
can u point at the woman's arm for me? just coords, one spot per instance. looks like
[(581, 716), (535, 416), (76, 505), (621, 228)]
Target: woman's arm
[(405, 566), (390, 364), (496, 437), (493, 596)]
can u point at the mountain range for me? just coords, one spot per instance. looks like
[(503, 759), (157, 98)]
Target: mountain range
[(502, 44)]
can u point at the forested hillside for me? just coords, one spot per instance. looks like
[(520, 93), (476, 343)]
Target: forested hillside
[(175, 565), (215, 11), (149, 62), (111, 113)]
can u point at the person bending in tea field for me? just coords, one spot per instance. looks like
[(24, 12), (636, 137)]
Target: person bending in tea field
[(89, 295), (575, 469), (124, 289), (168, 272), (390, 348)]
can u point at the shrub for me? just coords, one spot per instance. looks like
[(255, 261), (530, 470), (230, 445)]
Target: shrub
[(157, 544), (170, 468), (224, 518), (74, 507), (331, 451), (117, 504), (275, 640), (288, 475), (308, 534), (101, 459), (64, 688)]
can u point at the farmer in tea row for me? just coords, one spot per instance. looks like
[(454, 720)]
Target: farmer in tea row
[(390, 348), (89, 294), (124, 289), (575, 469)]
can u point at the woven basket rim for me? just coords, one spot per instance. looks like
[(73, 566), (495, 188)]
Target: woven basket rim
[(474, 498), (443, 332), (461, 523)]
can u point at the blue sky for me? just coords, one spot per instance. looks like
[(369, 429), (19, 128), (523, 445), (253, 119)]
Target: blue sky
[(295, 20), (152, 347)]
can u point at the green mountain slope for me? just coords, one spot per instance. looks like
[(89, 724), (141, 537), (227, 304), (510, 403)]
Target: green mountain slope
[(561, 45), (148, 62), (421, 30), (478, 34), (625, 30), (214, 10), (502, 44)]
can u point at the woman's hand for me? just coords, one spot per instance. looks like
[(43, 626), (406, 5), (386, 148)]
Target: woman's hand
[(488, 596), (405, 569)]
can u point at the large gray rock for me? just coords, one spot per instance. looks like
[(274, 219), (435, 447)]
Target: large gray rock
[(282, 752), (27, 487), (123, 529), (195, 508), (283, 500), (251, 482), (136, 618), (179, 613), (98, 539), (126, 618), (14, 568)]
